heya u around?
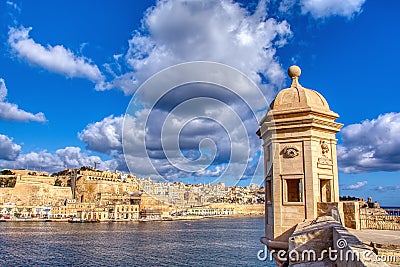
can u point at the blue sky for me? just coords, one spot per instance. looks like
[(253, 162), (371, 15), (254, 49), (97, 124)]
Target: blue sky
[(69, 69)]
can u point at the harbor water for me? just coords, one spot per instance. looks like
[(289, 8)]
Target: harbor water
[(207, 242)]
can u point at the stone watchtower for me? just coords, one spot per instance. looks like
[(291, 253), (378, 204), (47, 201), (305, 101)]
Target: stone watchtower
[(299, 143)]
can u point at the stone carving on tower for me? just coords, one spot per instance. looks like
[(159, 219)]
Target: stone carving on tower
[(291, 151), (324, 150)]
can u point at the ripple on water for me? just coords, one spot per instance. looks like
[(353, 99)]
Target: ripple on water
[(214, 242)]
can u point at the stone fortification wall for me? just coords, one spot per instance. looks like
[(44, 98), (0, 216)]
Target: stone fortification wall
[(37, 179), (377, 218), (352, 216), (381, 222), (32, 192), (89, 187)]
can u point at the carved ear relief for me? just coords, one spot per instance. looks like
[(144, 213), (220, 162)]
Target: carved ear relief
[(291, 151), (324, 148)]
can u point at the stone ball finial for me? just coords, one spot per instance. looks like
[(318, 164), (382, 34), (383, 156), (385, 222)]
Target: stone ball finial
[(294, 71)]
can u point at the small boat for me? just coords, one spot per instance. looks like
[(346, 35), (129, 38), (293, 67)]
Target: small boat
[(92, 221), (76, 220)]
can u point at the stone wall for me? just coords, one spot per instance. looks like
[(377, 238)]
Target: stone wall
[(334, 209), (352, 252), (351, 210), (88, 188), (325, 242), (30, 193), (381, 222), (391, 253), (377, 218), (37, 179)]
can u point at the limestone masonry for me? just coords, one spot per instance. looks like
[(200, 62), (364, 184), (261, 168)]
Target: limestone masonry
[(303, 213), (87, 194)]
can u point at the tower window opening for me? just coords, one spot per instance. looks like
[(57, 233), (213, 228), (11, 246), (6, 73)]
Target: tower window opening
[(269, 190), (325, 190), (294, 190)]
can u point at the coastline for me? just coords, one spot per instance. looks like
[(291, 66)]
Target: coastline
[(167, 219)]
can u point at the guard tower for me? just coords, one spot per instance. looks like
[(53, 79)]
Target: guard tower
[(299, 144)]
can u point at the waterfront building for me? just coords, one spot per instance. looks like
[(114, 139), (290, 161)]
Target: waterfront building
[(95, 211), (90, 194), (209, 211), (11, 210)]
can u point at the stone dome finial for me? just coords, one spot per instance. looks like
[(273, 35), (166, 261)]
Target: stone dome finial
[(296, 96), (294, 72)]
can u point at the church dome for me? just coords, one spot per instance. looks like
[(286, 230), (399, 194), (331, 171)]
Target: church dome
[(297, 97)]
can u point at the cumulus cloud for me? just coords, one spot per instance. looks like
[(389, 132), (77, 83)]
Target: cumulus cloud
[(104, 136), (56, 59), (356, 186), (178, 31), (11, 112), (70, 157), (327, 8), (193, 141), (371, 145), (8, 149), (174, 32), (320, 9)]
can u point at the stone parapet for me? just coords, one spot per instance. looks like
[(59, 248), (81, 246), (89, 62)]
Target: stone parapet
[(325, 242), (354, 252), (351, 210)]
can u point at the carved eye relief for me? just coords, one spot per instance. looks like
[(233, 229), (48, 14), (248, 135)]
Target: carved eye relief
[(290, 152)]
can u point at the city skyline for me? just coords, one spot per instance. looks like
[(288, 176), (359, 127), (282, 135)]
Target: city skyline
[(69, 70)]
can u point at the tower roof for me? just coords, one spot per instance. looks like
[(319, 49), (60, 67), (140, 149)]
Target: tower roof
[(296, 96)]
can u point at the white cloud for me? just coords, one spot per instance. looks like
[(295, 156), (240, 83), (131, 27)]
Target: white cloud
[(70, 157), (14, 6), (356, 186), (103, 136), (387, 188), (372, 145), (178, 31), (11, 112), (3, 90), (286, 6), (327, 8), (8, 149), (56, 59), (174, 32)]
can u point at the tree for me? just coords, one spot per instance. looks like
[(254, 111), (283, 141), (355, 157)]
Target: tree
[(6, 172)]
